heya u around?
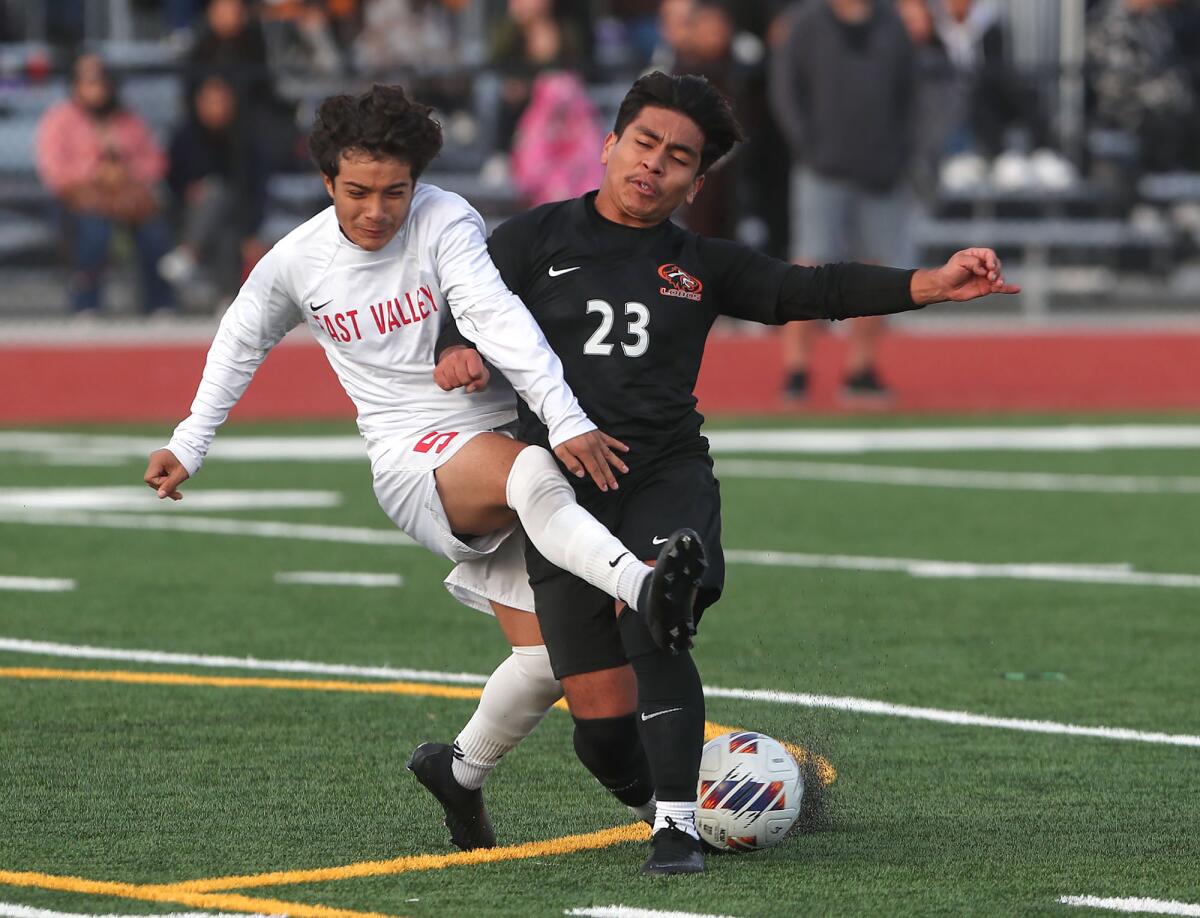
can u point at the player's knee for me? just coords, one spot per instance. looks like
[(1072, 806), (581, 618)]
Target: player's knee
[(534, 665), (611, 749), (534, 476), (601, 694)]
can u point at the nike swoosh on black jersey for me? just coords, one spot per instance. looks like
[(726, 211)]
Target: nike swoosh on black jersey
[(319, 308), (555, 272)]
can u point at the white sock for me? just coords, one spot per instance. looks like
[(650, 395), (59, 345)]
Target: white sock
[(515, 699), (676, 814), (567, 535), (645, 812)]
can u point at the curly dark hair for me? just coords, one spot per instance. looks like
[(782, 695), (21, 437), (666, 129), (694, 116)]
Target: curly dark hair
[(690, 95), (380, 122)]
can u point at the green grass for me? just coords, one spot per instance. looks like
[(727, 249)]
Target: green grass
[(154, 784)]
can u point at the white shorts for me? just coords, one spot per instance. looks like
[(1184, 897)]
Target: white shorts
[(403, 470), (497, 577)]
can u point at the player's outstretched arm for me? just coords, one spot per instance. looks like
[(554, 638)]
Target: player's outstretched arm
[(969, 274), (165, 473)]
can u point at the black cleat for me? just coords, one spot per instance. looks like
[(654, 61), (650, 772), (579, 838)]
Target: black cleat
[(466, 816), (795, 386), (671, 852), (669, 596), (866, 387)]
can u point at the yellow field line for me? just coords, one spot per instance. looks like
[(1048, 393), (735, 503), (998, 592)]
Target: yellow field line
[(197, 892), (175, 896), (567, 845), (825, 769), (317, 685)]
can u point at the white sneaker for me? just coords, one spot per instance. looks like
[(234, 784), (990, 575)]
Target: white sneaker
[(963, 172), (1051, 170), (1011, 171), (177, 267), (495, 172)]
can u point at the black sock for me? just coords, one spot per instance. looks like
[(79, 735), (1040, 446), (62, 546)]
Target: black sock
[(611, 749), (670, 711)]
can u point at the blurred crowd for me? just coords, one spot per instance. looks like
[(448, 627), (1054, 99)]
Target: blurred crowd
[(859, 112)]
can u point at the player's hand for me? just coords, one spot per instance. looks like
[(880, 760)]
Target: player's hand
[(969, 274), (461, 366), (592, 454), (165, 474)]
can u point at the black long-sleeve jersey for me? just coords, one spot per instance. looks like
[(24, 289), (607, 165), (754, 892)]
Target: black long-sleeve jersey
[(628, 311)]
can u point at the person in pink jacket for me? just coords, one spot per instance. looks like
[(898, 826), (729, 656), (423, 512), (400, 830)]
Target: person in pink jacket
[(103, 167)]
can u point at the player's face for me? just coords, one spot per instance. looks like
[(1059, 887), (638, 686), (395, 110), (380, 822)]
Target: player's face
[(651, 168), (371, 198)]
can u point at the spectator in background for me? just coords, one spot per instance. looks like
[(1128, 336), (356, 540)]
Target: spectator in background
[(843, 91), (399, 35), (554, 150), (103, 166), (674, 34), (1003, 119), (534, 37), (218, 177), (941, 95), (231, 41), (706, 49), (1141, 84), (314, 34)]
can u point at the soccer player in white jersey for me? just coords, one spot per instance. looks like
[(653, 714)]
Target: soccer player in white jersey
[(373, 277)]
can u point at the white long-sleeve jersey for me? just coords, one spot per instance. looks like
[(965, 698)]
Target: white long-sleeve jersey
[(378, 315)]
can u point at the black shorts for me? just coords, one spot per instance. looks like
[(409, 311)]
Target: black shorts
[(577, 620)]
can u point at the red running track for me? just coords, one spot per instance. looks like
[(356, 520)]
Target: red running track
[(1110, 371)]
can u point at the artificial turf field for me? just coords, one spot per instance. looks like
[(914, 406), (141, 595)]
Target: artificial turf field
[(115, 794)]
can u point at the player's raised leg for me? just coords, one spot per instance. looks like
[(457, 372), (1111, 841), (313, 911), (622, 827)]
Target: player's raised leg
[(493, 476)]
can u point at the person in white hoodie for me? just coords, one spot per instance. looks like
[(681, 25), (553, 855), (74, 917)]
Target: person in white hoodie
[(373, 277)]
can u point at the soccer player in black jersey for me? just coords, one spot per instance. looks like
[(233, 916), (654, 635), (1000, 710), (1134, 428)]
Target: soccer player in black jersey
[(626, 298)]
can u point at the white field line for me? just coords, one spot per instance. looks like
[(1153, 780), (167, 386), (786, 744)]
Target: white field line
[(957, 478), (139, 498), (56, 446), (628, 911), (1106, 574), (1068, 438), (957, 718), (86, 652), (1136, 906), (37, 584), (832, 702), (355, 535), (338, 578), (11, 910)]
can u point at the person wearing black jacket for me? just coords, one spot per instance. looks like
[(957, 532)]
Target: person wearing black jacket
[(218, 178), (626, 298), (843, 89)]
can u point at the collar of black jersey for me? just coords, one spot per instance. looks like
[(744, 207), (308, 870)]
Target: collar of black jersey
[(605, 230)]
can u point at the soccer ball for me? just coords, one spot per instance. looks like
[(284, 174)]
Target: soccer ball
[(749, 792)]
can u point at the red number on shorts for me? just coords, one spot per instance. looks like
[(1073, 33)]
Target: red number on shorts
[(427, 442)]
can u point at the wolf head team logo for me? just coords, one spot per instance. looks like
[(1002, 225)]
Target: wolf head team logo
[(680, 283)]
